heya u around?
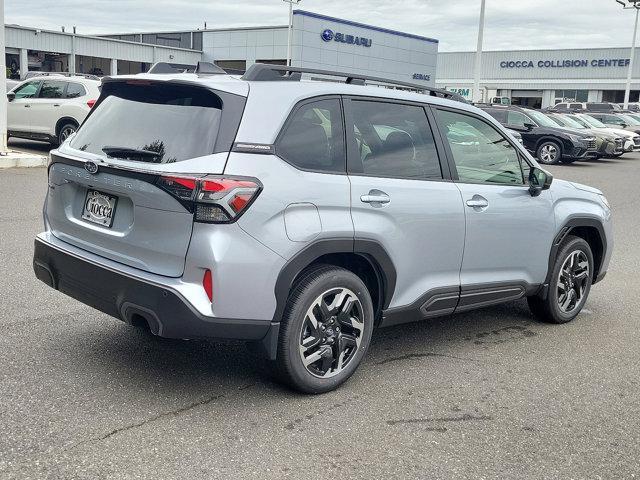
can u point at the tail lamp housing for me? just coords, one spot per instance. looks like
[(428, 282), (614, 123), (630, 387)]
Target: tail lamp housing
[(212, 198)]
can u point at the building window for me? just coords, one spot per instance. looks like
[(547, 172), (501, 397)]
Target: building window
[(272, 62), (572, 95), (232, 65)]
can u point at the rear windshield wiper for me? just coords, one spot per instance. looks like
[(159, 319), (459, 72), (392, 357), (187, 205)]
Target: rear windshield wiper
[(129, 153)]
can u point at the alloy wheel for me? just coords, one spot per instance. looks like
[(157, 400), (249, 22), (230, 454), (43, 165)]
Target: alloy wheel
[(572, 281), (331, 332), (66, 132), (548, 153)]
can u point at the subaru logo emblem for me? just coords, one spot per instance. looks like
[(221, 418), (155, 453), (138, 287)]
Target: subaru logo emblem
[(91, 167), (327, 35)]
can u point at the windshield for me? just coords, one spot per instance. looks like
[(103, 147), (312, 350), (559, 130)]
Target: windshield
[(629, 119), (541, 119), (566, 121), (593, 121), (136, 120), (578, 120)]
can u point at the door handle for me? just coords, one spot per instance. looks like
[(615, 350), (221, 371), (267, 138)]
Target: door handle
[(375, 196), (56, 104), (27, 106), (477, 202)]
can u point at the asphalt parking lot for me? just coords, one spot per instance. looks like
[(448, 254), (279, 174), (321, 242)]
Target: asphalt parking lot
[(487, 394)]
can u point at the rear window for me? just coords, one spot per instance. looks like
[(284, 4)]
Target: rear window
[(155, 123)]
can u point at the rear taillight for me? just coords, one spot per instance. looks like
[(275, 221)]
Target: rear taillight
[(212, 199), (91, 103)]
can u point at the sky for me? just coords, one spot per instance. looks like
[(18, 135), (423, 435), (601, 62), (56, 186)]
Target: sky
[(509, 24)]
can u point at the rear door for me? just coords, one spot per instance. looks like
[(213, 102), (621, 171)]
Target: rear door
[(45, 108), (121, 187), (401, 197), (19, 110), (509, 233)]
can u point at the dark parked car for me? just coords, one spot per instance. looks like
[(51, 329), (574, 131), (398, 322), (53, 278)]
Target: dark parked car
[(543, 137), (618, 120)]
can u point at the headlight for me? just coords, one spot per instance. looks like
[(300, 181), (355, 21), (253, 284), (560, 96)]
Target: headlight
[(605, 201), (577, 139)]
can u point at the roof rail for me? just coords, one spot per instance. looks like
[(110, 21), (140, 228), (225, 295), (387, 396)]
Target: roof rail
[(202, 68), (260, 72), (33, 74)]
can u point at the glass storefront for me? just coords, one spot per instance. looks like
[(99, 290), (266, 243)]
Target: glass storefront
[(572, 96)]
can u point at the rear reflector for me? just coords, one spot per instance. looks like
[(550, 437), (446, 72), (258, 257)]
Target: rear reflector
[(91, 103), (213, 199), (207, 283)]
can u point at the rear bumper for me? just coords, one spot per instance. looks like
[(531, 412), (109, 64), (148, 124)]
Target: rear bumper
[(130, 298)]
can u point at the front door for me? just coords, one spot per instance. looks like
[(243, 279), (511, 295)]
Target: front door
[(19, 109), (403, 198), (509, 233)]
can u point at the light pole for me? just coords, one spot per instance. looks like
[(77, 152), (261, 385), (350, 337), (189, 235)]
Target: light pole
[(289, 40), (478, 65), (3, 86), (627, 90)]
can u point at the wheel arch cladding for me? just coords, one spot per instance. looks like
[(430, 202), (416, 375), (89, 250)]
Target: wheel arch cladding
[(63, 121), (366, 258), (589, 229)]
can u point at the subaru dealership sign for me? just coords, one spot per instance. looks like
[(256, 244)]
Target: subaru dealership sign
[(329, 35)]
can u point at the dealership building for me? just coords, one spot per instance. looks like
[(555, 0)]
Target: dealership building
[(542, 78), (535, 78), (318, 41)]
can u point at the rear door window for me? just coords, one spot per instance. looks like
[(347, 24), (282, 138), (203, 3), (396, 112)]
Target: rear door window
[(393, 140), (313, 138), (155, 123), (52, 89), (517, 119)]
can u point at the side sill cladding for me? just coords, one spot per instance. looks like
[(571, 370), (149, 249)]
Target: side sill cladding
[(370, 250)]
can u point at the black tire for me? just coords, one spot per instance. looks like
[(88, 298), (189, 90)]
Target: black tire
[(549, 309), (549, 146), (66, 129), (295, 326)]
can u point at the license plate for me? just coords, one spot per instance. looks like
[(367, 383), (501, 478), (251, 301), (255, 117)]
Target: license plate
[(99, 208)]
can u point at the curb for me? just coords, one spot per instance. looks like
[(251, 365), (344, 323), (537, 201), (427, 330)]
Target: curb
[(22, 160)]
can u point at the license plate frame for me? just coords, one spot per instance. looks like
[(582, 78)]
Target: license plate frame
[(101, 211)]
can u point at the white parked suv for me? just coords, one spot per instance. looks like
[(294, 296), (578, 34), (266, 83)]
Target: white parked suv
[(50, 108)]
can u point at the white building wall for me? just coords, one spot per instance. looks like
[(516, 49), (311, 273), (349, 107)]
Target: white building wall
[(24, 38), (250, 44), (542, 70)]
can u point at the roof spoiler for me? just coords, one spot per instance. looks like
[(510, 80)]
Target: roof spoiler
[(202, 68)]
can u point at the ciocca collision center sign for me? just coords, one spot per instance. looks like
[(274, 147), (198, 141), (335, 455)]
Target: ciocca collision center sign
[(580, 63), (329, 35)]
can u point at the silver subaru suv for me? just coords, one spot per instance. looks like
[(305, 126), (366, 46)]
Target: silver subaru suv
[(300, 214)]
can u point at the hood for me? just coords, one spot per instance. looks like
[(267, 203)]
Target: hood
[(572, 131), (586, 188), (619, 132)]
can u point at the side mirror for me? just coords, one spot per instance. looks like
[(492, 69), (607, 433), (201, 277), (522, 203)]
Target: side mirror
[(539, 180), (624, 125), (529, 126), (11, 96)]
